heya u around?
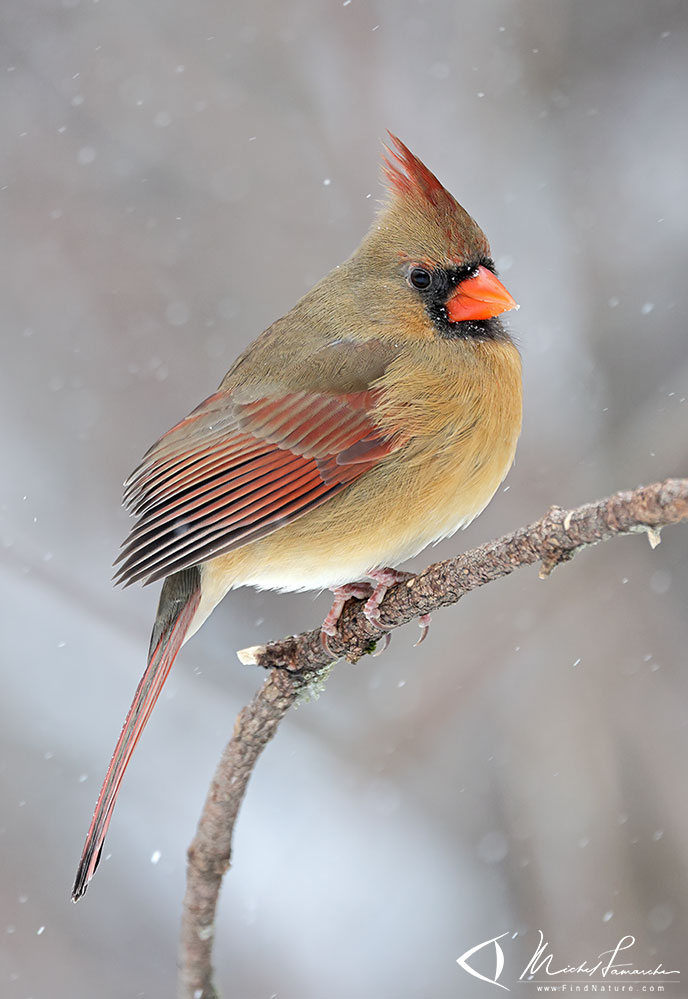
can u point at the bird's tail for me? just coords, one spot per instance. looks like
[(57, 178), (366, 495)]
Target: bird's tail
[(179, 600)]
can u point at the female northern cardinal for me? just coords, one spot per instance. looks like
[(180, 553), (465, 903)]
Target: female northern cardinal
[(379, 415)]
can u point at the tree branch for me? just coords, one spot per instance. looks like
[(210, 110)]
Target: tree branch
[(554, 538), (293, 662), (210, 852)]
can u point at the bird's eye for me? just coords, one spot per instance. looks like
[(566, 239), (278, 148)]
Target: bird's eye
[(420, 278)]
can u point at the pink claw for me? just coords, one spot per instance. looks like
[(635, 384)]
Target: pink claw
[(325, 642), (424, 625), (386, 639)]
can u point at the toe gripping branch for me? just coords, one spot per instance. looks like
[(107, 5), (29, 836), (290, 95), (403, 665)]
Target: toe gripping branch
[(373, 596)]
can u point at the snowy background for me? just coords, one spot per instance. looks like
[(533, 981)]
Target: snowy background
[(174, 176)]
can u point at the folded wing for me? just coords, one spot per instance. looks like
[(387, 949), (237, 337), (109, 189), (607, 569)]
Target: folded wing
[(232, 472)]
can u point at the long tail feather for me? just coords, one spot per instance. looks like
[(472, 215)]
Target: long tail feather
[(179, 599)]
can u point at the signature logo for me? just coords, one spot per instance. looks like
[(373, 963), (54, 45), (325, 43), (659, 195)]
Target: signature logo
[(542, 967), (499, 961)]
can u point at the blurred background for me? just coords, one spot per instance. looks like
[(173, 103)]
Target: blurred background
[(173, 178)]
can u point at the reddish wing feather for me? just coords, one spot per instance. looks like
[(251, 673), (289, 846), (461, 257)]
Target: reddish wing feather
[(230, 473)]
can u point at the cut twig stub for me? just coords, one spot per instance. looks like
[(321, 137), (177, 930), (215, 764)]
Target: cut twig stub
[(251, 655)]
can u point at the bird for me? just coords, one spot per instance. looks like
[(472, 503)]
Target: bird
[(376, 417)]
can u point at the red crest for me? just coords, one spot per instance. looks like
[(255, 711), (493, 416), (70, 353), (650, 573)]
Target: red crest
[(408, 176)]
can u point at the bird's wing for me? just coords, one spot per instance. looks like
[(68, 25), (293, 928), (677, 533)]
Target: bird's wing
[(233, 471)]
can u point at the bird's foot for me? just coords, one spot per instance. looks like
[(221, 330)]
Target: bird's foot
[(384, 579), (341, 594), (373, 596)]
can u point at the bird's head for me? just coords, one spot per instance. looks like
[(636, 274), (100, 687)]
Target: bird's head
[(425, 262)]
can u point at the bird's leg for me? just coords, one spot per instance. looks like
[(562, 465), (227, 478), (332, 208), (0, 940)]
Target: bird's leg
[(385, 578), (341, 594)]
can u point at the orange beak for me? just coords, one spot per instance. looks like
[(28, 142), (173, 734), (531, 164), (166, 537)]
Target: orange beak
[(479, 297)]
